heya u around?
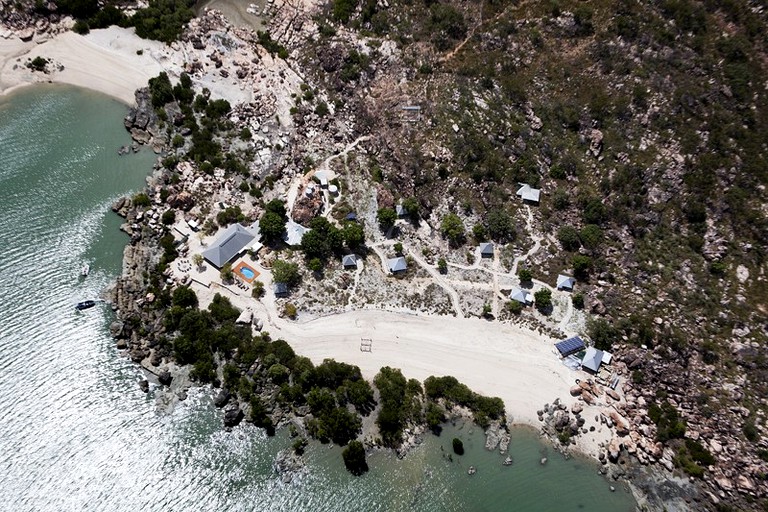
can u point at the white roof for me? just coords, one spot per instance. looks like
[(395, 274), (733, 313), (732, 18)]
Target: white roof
[(323, 177), (529, 193), (520, 295), (607, 357), (564, 281), (592, 359), (397, 264), (294, 232)]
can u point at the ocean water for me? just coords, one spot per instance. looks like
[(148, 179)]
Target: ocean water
[(78, 434)]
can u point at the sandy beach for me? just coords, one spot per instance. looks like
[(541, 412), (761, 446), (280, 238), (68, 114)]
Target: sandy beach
[(105, 60), (492, 358)]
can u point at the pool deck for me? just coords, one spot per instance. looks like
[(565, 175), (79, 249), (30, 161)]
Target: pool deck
[(243, 265)]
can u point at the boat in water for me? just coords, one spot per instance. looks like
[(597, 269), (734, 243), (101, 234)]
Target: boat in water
[(85, 270), (85, 304)]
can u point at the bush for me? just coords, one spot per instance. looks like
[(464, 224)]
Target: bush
[(398, 247), (500, 226), (602, 333), (577, 300), (442, 265), (354, 458), (569, 238), (581, 265), (162, 20), (289, 310), (458, 446), (169, 217), (452, 228), (543, 299), (525, 275), (258, 289), (386, 218), (184, 297), (81, 27), (515, 307), (285, 272)]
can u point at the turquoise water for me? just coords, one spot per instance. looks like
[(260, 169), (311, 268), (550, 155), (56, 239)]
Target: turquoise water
[(77, 432), (248, 273)]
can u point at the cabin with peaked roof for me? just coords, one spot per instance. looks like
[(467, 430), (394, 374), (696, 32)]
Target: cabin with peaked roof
[(280, 289), (233, 241), (565, 282), (351, 216), (349, 261), (592, 360), (522, 296), (396, 265), (528, 193), (486, 250)]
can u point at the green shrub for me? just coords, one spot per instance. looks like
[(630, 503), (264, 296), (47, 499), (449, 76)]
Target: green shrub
[(354, 458)]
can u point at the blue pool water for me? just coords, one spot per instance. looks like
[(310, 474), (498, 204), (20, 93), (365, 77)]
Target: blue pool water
[(247, 273)]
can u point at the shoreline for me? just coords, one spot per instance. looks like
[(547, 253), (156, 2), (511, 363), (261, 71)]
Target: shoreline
[(105, 61), (431, 345)]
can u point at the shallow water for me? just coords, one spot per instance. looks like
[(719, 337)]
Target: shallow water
[(78, 434)]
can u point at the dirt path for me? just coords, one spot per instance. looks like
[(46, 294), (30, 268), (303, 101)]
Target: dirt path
[(441, 282)]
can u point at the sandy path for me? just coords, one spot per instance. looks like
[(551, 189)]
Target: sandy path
[(104, 60)]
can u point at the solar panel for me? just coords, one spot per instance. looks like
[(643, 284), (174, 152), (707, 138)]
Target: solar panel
[(570, 346)]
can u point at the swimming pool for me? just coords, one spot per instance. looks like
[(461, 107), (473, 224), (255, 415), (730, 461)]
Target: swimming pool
[(246, 272)]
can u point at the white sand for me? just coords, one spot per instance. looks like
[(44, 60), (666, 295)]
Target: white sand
[(104, 60)]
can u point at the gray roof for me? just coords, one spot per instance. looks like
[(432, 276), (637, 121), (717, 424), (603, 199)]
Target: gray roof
[(294, 233), (520, 295), (397, 264), (528, 193), (592, 359), (280, 288), (234, 239), (349, 260), (486, 249), (564, 281)]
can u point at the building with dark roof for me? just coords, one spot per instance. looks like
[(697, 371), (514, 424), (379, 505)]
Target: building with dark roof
[(234, 240), (486, 250)]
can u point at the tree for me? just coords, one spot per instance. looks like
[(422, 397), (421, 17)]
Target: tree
[(581, 265), (500, 226), (323, 240), (591, 236), (354, 458), (602, 333), (198, 259), (525, 275), (354, 235), (543, 299), (272, 227), (315, 265), (578, 300), (398, 248), (226, 273), (258, 289), (285, 272), (411, 206), (569, 238), (453, 229), (289, 310), (458, 446), (515, 307), (478, 231), (184, 297), (386, 217), (442, 265), (277, 206)]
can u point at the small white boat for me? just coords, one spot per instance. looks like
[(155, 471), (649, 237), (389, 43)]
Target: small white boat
[(85, 270)]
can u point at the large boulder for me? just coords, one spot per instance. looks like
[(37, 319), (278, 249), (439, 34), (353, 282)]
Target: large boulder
[(222, 398), (233, 415)]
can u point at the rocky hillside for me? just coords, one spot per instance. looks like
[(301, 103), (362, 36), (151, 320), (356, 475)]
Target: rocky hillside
[(645, 126)]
